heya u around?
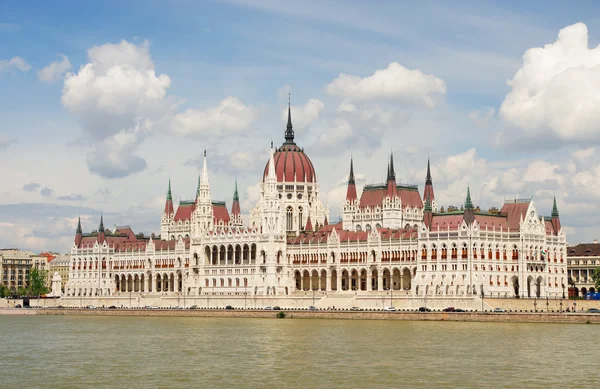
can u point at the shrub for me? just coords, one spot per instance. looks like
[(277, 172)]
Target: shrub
[(281, 315)]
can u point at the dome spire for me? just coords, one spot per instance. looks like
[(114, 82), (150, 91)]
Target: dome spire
[(289, 132), (101, 227), (78, 226)]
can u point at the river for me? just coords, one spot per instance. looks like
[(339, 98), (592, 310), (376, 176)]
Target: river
[(177, 352)]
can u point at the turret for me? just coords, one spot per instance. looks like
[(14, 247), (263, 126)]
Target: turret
[(392, 191), (428, 192), (236, 215), (101, 236), (351, 191), (78, 233), (469, 213), (555, 218), (203, 214), (169, 203), (309, 226), (428, 213)]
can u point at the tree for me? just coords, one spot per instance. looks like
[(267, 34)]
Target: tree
[(4, 291), (596, 277), (37, 282)]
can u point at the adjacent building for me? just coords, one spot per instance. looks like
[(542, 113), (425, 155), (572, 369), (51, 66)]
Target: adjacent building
[(391, 237), (14, 267), (60, 265), (582, 260)]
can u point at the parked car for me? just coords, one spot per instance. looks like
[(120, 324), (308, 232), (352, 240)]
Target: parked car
[(112, 307), (60, 307), (356, 309), (312, 308), (593, 310), (194, 307), (449, 309), (18, 306), (268, 308), (229, 307), (92, 307), (389, 309), (424, 309), (276, 308), (499, 310), (459, 310)]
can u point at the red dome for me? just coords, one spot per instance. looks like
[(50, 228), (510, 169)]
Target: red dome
[(291, 162)]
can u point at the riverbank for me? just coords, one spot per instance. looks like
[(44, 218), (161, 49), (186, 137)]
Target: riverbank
[(508, 317)]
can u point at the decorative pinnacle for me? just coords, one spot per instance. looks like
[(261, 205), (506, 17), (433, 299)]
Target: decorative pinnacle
[(468, 202), (391, 173), (169, 196), (79, 226), (101, 227), (236, 196), (289, 133), (428, 204), (351, 177), (554, 208), (428, 178)]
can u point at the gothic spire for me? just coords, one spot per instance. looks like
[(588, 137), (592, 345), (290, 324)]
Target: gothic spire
[(169, 196), (554, 208), (468, 202), (351, 177), (236, 196), (79, 226), (289, 132), (428, 178), (101, 227), (391, 173)]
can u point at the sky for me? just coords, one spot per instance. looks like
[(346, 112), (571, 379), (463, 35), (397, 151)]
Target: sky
[(102, 102)]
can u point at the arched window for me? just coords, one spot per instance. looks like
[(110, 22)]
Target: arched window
[(300, 223), (289, 219), (368, 227), (358, 227)]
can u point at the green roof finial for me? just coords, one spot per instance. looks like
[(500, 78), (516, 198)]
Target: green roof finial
[(79, 226), (554, 208), (428, 204), (468, 202), (236, 196), (169, 196)]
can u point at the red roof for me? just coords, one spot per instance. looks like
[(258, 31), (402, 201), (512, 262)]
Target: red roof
[(220, 213), (291, 164), (169, 207), (372, 196), (514, 211), (491, 222), (184, 211), (444, 221), (235, 208)]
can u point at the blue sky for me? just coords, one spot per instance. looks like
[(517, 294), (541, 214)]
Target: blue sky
[(222, 70)]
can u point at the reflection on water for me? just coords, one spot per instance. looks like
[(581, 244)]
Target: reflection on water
[(110, 352)]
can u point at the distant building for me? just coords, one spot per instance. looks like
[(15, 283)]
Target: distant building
[(60, 265), (582, 260), (14, 267)]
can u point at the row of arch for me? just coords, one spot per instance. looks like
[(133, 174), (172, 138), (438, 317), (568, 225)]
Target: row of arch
[(531, 252), (354, 279), (228, 254)]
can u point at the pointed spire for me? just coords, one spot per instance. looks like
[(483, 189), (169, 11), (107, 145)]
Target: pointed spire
[(351, 191), (391, 173), (79, 226), (351, 177), (554, 208), (468, 202), (169, 196), (236, 196), (271, 173), (198, 188), (101, 227), (204, 170), (289, 133), (428, 178)]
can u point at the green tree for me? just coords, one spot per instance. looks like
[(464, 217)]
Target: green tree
[(596, 277), (37, 282), (4, 291), (21, 291)]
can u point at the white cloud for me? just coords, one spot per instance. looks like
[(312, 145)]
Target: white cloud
[(340, 131), (346, 107), (585, 153), (395, 82), (231, 116), (482, 117), (55, 70), (118, 98), (556, 92), (17, 63), (303, 116)]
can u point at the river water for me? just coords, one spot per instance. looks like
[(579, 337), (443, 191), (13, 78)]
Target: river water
[(172, 352)]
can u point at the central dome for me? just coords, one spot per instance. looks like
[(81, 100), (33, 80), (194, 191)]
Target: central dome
[(291, 163)]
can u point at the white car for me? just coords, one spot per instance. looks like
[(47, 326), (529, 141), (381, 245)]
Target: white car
[(268, 308), (389, 309), (500, 310), (92, 307)]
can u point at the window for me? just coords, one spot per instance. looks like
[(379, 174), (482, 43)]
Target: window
[(289, 219), (300, 223)]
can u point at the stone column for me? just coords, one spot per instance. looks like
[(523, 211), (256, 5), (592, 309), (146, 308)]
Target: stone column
[(339, 281), (380, 280), (369, 281), (328, 282)]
